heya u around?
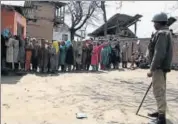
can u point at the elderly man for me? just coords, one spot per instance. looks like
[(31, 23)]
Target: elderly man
[(160, 50)]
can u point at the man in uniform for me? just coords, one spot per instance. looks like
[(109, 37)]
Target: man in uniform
[(160, 51)]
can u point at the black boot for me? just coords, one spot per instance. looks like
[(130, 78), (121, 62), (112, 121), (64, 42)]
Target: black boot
[(154, 115), (161, 119)]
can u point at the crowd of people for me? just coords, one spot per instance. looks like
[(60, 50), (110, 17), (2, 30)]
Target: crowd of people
[(40, 55)]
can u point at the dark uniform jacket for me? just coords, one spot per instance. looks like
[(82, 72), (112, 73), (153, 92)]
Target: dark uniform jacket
[(161, 50)]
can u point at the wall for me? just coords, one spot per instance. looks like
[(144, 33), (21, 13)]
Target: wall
[(43, 28), (22, 21), (7, 20), (59, 31), (10, 19)]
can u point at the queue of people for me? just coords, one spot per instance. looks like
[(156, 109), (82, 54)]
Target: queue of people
[(40, 55)]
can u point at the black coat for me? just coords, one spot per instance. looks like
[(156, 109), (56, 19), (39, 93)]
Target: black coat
[(70, 56), (89, 53), (3, 47)]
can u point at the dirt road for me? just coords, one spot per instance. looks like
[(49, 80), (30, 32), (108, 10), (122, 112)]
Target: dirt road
[(106, 97)]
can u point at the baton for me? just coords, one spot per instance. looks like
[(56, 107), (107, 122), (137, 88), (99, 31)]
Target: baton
[(143, 98)]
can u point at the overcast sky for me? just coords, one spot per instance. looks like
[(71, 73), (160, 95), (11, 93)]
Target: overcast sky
[(146, 8)]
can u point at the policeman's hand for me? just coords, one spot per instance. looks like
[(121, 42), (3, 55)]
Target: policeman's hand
[(149, 74)]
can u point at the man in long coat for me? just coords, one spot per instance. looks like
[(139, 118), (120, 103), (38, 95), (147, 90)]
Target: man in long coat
[(124, 55), (22, 53)]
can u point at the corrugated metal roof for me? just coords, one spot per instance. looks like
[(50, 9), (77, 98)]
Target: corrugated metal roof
[(122, 20)]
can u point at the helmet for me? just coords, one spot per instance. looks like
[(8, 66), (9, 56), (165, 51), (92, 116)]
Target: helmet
[(161, 17)]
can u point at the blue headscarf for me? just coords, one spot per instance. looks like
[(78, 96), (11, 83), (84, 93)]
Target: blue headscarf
[(6, 32), (68, 43)]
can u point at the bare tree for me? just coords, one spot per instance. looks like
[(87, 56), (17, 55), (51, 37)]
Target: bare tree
[(80, 12), (103, 7)]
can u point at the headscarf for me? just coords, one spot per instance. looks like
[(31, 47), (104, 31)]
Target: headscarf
[(56, 46), (68, 43), (6, 32)]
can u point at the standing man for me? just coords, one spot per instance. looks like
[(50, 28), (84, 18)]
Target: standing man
[(124, 56), (160, 51)]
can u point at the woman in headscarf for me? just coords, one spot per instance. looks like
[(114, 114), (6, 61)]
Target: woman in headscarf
[(56, 46), (52, 57), (104, 58), (95, 55), (29, 48), (117, 48), (69, 57), (62, 56), (89, 54), (44, 57)]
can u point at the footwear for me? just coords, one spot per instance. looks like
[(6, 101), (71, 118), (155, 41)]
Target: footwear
[(154, 115), (161, 119)]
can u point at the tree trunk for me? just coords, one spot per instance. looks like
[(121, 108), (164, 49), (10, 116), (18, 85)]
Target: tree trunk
[(104, 17), (72, 34)]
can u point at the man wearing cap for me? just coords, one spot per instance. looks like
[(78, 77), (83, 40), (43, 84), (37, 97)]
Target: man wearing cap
[(160, 59)]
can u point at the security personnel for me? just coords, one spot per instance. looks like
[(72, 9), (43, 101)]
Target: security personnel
[(160, 51)]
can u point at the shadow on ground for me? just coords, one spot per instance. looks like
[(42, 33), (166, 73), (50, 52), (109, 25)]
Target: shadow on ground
[(10, 79)]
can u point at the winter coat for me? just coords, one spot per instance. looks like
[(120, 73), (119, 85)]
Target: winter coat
[(104, 56), (95, 54), (125, 53), (62, 55), (22, 51), (52, 57), (9, 50), (69, 56)]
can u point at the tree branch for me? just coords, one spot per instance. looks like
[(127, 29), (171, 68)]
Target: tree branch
[(90, 12)]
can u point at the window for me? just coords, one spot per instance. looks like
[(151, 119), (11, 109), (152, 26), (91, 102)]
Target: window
[(64, 37)]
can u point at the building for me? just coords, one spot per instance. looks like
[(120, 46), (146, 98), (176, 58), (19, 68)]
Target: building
[(61, 32), (12, 18), (118, 26), (42, 17)]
